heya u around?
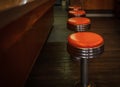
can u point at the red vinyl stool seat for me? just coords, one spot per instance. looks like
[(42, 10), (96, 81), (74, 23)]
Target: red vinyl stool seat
[(85, 44), (78, 24), (76, 13), (82, 46), (74, 7)]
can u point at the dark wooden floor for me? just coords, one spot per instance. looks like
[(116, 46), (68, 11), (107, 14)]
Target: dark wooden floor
[(54, 67)]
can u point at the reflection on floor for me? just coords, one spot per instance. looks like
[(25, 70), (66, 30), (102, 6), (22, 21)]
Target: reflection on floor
[(54, 67), (59, 32)]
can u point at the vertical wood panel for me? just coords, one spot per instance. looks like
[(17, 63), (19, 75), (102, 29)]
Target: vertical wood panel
[(99, 4), (95, 4)]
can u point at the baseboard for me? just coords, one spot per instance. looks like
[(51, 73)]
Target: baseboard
[(99, 13)]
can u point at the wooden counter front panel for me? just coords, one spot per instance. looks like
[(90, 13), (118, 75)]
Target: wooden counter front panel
[(74, 2), (21, 42), (95, 4), (99, 5)]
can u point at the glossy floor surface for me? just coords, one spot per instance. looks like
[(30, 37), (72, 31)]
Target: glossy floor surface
[(55, 68)]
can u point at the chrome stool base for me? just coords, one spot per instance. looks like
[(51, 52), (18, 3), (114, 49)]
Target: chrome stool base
[(78, 84), (79, 53), (79, 15), (79, 28)]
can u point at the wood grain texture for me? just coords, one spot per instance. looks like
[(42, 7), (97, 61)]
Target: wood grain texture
[(20, 43), (99, 4), (94, 4)]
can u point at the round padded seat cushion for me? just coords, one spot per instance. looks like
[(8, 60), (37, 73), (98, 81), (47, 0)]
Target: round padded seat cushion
[(75, 7), (74, 12), (78, 20), (85, 40)]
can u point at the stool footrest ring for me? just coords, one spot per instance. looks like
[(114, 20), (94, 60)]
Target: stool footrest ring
[(85, 52)]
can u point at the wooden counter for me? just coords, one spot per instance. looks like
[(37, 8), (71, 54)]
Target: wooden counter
[(23, 33)]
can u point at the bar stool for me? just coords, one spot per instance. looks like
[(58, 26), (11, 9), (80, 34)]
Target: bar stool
[(83, 46), (78, 24), (74, 7), (76, 13)]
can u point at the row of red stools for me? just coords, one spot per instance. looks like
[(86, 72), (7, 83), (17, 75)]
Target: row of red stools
[(82, 44)]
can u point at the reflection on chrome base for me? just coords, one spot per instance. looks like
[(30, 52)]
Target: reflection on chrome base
[(78, 84)]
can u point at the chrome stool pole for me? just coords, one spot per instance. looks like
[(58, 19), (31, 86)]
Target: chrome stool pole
[(84, 72)]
